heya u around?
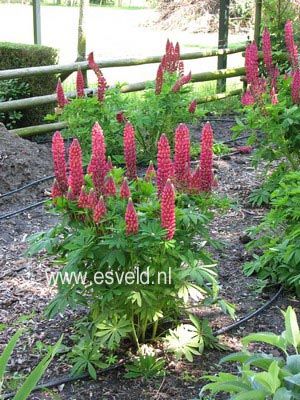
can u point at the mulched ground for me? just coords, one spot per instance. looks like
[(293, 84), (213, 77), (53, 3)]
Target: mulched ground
[(23, 286)]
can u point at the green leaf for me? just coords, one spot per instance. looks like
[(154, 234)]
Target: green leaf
[(292, 334), (257, 394), (36, 374), (266, 337), (7, 352)]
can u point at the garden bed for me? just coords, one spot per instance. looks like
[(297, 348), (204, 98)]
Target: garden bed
[(24, 289)]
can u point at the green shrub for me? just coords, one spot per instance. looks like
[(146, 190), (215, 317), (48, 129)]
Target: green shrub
[(17, 55)]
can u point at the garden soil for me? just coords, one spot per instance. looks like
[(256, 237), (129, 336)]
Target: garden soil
[(24, 288)]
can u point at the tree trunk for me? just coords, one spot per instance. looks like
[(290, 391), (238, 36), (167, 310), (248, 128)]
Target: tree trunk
[(81, 43)]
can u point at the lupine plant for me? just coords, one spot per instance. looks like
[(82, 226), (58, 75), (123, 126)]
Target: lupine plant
[(166, 102), (271, 103), (132, 239)]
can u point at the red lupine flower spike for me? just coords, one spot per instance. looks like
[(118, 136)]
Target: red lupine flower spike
[(267, 53), (251, 63), (80, 84), (98, 166), (181, 154), (195, 182), (206, 159), (83, 200), (168, 220), (125, 190), (120, 117), (192, 107), (92, 200), (60, 94), (159, 79), (75, 180), (110, 187), (93, 65), (290, 45), (296, 87), (150, 173), (56, 191), (247, 98), (129, 151), (100, 210), (165, 168), (182, 81), (59, 161), (131, 219)]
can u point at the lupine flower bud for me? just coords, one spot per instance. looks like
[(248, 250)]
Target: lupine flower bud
[(180, 68), (168, 220), (244, 150), (251, 63), (100, 210), (56, 191), (102, 86), (181, 155), (79, 84), (290, 45), (109, 164), (92, 200), (159, 79), (97, 166), (192, 107), (110, 187), (131, 219), (296, 87), (195, 182), (83, 200), (75, 180), (93, 65), (206, 158), (165, 168), (125, 190), (273, 95), (120, 117), (247, 98), (60, 166), (182, 81), (129, 151), (60, 95), (150, 173)]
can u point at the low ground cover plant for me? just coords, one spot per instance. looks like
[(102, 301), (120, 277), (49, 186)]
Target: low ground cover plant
[(260, 375), (136, 242)]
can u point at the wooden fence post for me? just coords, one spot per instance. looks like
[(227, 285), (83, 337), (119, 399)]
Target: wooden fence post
[(37, 22), (223, 41), (257, 22)]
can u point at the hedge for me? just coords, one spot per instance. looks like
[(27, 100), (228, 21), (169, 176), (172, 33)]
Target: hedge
[(19, 55)]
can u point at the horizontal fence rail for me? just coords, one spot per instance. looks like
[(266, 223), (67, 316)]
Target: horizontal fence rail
[(127, 62), (133, 87)]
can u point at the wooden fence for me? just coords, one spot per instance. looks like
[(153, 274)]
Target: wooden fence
[(66, 70)]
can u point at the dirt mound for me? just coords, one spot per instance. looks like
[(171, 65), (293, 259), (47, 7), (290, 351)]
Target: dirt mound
[(22, 162)]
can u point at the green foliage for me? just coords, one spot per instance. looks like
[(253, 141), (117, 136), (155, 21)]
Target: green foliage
[(17, 55), (82, 113), (279, 236), (152, 114), (146, 365), (13, 89), (32, 379), (274, 16), (263, 376)]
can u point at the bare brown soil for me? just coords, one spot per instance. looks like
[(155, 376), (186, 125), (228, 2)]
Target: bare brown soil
[(23, 286)]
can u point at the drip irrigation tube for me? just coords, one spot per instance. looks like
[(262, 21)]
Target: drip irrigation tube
[(21, 210), (68, 379), (47, 178)]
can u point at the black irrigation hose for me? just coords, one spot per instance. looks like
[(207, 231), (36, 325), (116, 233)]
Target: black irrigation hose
[(68, 379), (21, 210), (249, 316), (47, 178)]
